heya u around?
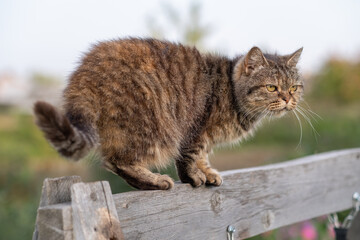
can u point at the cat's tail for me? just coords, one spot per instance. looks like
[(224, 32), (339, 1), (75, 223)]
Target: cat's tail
[(71, 142)]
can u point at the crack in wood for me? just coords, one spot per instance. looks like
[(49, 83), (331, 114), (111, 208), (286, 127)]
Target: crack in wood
[(112, 233)]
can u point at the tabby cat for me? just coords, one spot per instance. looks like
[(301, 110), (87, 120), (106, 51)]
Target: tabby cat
[(143, 102)]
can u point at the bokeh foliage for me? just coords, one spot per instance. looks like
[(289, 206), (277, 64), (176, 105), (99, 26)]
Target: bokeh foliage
[(338, 80)]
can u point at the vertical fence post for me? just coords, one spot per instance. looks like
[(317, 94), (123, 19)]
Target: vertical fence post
[(54, 191), (94, 212)]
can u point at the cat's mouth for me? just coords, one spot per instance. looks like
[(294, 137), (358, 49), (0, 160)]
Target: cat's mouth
[(281, 111), (281, 106)]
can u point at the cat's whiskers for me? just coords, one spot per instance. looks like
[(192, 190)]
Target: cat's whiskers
[(265, 112), (297, 117), (271, 115), (308, 120), (247, 113), (252, 112), (266, 115), (314, 113), (307, 116), (307, 113), (310, 113), (260, 115)]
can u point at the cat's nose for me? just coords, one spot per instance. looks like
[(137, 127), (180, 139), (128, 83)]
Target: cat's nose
[(285, 98)]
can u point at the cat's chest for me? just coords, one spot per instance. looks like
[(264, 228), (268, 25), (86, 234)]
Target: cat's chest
[(230, 132), (225, 132)]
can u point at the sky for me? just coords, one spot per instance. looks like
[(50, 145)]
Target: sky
[(50, 36)]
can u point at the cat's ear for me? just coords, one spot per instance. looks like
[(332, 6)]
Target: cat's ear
[(293, 59), (254, 60)]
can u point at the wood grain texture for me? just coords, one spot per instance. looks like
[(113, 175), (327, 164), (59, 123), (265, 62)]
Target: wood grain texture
[(57, 190), (94, 213), (54, 222), (253, 200)]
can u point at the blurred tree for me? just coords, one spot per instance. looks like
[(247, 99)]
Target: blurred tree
[(189, 30), (338, 80)]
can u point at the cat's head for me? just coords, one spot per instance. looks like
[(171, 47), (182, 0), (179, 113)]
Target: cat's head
[(267, 84)]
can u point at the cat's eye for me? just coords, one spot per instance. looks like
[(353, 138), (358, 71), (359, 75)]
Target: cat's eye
[(293, 88), (271, 88)]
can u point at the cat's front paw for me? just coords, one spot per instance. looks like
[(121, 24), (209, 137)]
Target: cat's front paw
[(213, 177), (164, 182), (195, 177)]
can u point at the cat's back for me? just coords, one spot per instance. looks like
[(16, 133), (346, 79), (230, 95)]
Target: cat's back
[(142, 60), (148, 55)]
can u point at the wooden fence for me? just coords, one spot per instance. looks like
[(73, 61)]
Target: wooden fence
[(252, 201)]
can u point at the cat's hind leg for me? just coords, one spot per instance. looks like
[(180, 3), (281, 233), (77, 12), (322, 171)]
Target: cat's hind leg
[(140, 177), (128, 154)]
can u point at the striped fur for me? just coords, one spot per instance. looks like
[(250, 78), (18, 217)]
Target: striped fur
[(146, 101), (69, 141)]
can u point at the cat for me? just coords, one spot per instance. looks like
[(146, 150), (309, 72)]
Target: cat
[(143, 102)]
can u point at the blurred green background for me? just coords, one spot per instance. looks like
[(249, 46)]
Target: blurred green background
[(332, 103)]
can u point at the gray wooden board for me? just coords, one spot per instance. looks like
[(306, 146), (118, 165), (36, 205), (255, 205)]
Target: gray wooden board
[(252, 200), (94, 213)]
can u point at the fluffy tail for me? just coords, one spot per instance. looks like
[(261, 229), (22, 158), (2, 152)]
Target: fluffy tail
[(67, 139)]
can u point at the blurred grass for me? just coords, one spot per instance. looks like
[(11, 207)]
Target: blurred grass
[(21, 145), (26, 158)]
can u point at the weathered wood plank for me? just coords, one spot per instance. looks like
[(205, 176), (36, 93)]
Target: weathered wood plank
[(55, 222), (54, 191), (253, 200), (57, 190), (94, 213)]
